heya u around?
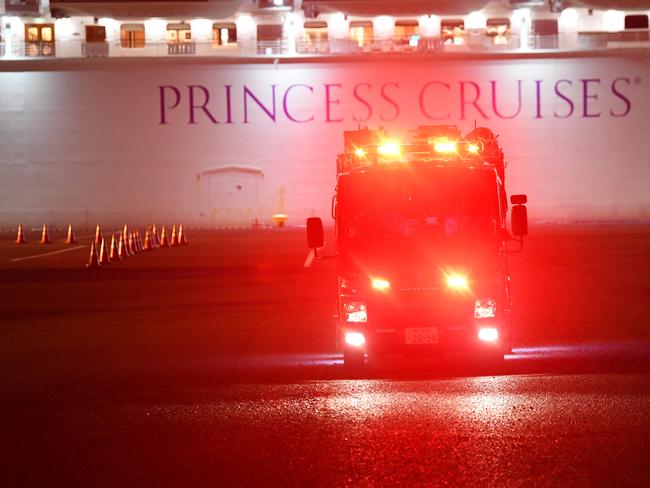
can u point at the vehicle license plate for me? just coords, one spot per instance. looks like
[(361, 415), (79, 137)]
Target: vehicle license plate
[(422, 335)]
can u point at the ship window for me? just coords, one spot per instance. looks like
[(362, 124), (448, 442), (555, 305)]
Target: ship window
[(95, 33), (545, 27), (315, 32), (453, 31), (39, 32), (39, 40), (637, 21), (498, 30), (361, 32), (545, 31), (272, 32), (224, 33), (132, 36), (33, 34), (406, 29), (178, 33)]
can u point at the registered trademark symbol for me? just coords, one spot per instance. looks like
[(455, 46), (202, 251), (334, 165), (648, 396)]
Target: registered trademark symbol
[(637, 80)]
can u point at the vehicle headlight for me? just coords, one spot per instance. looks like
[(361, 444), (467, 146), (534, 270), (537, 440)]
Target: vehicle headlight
[(485, 308), (488, 334), (355, 312), (356, 339)]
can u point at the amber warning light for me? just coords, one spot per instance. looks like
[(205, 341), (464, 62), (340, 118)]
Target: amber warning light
[(444, 146)]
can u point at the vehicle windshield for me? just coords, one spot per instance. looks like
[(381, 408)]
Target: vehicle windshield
[(438, 205)]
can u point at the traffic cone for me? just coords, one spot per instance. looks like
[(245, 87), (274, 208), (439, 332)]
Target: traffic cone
[(127, 249), (93, 262), (114, 255), (20, 238), (154, 236), (174, 236), (163, 237), (71, 239), (131, 244), (182, 239), (147, 241), (122, 250), (98, 236), (45, 238), (136, 241), (103, 254)]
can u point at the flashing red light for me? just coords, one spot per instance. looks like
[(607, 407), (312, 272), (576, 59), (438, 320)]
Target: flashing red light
[(445, 146)]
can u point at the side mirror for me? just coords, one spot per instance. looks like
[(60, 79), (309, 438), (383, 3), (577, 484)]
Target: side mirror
[(315, 234), (519, 220), (518, 199)]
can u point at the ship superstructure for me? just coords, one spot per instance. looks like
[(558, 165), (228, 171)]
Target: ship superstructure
[(64, 28)]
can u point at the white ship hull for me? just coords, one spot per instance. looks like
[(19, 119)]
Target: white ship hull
[(216, 142)]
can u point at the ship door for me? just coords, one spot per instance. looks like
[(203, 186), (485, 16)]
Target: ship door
[(232, 194), (39, 39)]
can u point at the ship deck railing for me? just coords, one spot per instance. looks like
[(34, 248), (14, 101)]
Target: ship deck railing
[(475, 44)]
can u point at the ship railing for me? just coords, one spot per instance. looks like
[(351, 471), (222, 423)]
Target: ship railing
[(94, 49), (35, 49), (183, 48), (274, 47), (470, 43)]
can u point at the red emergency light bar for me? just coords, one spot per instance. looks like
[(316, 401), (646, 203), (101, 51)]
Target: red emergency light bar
[(366, 149)]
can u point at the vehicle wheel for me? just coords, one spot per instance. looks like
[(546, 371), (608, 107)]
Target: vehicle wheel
[(353, 359)]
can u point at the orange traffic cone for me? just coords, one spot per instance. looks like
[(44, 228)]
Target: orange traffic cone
[(136, 241), (93, 262), (114, 255), (182, 239), (71, 239), (122, 250), (98, 236), (163, 237), (20, 238), (154, 236), (127, 249), (148, 246), (174, 236), (45, 238), (103, 254), (131, 244)]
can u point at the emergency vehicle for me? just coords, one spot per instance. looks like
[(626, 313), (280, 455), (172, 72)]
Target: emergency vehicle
[(422, 244)]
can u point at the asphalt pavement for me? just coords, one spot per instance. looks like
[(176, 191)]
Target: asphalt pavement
[(214, 364)]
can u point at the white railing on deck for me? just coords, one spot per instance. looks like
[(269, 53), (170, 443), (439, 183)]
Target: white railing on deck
[(470, 43)]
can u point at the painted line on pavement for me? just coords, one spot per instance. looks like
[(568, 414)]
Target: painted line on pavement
[(42, 255), (310, 259)]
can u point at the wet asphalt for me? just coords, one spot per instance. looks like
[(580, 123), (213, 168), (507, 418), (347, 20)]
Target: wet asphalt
[(213, 365)]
